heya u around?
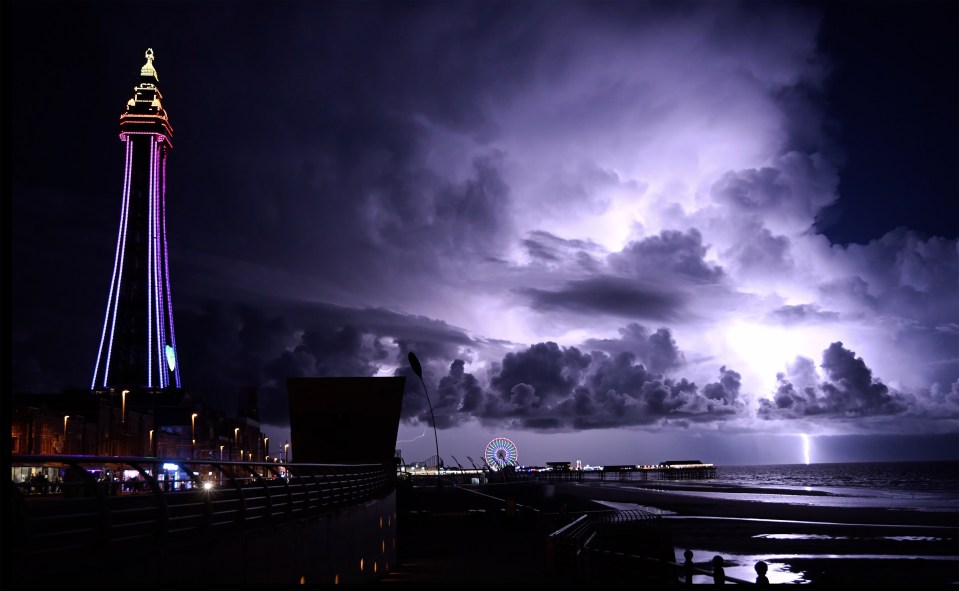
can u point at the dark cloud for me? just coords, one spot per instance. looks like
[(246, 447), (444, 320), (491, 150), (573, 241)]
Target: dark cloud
[(585, 191), (609, 295), (548, 387), (793, 188), (551, 250), (757, 253), (540, 375), (901, 274), (657, 351), (801, 314), (227, 347), (671, 251), (848, 390)]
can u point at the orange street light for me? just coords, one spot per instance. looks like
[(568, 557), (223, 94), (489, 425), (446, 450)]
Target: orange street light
[(236, 436), (193, 427), (286, 452), (123, 406), (65, 417)]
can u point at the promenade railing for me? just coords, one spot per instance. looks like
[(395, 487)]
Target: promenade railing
[(624, 547), (166, 499)]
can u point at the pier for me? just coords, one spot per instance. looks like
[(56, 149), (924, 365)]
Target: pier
[(564, 472)]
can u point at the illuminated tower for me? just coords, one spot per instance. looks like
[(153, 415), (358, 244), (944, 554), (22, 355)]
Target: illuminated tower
[(137, 345)]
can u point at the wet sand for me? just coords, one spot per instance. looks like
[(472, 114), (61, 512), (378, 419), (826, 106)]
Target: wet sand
[(801, 543)]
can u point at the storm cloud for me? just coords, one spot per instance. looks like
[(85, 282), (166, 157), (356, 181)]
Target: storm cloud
[(579, 216), (847, 390)]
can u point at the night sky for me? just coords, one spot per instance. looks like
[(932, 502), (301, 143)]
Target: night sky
[(619, 232)]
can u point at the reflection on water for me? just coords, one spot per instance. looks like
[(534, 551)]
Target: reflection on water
[(742, 567), (800, 537), (824, 537)]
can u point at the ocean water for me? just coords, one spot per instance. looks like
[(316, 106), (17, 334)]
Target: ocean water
[(911, 486), (929, 486), (916, 486), (931, 477)]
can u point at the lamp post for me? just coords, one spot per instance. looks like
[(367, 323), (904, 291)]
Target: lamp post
[(286, 452), (418, 370), (65, 417), (193, 432), (221, 453), (151, 439), (123, 406), (266, 445)]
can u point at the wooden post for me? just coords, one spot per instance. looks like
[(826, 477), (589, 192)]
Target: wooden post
[(719, 574)]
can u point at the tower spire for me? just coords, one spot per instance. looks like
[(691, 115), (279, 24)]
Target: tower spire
[(148, 71)]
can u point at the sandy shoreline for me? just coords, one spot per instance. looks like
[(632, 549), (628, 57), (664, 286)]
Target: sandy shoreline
[(802, 543)]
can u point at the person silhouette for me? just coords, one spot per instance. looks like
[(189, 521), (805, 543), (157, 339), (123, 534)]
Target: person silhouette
[(761, 569)]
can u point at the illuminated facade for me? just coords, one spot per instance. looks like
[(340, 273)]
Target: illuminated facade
[(138, 344)]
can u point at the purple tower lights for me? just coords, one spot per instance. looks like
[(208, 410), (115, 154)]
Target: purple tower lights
[(138, 344)]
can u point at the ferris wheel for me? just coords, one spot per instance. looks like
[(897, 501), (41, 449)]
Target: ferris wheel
[(500, 452)]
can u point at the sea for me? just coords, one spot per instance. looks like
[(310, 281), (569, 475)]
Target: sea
[(913, 486), (922, 486), (932, 477)]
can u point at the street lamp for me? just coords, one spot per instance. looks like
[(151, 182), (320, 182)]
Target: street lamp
[(236, 436), (151, 439), (123, 406), (65, 417), (221, 453), (418, 370), (193, 432), (266, 445), (286, 452)]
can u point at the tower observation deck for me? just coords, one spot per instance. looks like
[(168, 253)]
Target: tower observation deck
[(138, 344)]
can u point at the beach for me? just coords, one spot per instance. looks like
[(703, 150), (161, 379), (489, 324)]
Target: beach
[(804, 536)]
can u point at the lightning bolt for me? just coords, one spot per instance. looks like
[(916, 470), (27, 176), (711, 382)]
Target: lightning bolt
[(423, 434)]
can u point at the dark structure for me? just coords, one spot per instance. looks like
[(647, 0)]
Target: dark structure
[(345, 420), (138, 344)]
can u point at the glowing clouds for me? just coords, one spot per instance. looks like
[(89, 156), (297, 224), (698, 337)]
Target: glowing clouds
[(766, 349)]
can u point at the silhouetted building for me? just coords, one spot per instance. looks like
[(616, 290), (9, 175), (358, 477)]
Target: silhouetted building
[(247, 407), (345, 420)]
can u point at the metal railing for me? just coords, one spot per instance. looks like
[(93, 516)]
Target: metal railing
[(194, 497), (585, 550)]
